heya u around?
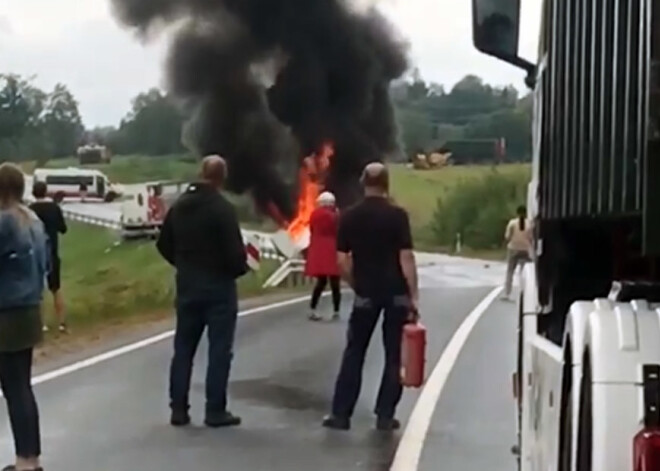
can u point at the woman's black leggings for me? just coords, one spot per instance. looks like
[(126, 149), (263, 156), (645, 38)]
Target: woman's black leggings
[(15, 374), (321, 282)]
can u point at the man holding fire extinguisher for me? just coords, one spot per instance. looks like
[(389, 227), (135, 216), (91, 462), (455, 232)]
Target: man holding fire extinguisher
[(375, 255)]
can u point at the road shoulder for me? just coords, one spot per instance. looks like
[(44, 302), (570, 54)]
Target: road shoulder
[(473, 426), (64, 349)]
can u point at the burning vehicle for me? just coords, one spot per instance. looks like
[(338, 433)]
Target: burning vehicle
[(294, 94)]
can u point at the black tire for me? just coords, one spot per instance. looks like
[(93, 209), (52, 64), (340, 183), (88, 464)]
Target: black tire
[(585, 438), (110, 197)]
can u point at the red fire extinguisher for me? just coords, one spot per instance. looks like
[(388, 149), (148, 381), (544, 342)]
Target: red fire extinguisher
[(413, 355)]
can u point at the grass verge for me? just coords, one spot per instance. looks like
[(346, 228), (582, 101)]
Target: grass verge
[(416, 190), (137, 168), (419, 190), (104, 282)]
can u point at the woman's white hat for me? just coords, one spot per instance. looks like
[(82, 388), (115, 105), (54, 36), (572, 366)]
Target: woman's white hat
[(326, 199)]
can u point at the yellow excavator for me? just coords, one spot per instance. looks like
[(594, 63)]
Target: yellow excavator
[(431, 161)]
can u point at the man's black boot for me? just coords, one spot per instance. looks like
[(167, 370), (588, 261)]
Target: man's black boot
[(221, 419), (336, 423), (180, 418), (387, 424)]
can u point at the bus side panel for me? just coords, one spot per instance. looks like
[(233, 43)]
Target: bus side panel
[(544, 401)]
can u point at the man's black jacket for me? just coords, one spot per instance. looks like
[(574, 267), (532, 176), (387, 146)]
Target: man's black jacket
[(201, 232)]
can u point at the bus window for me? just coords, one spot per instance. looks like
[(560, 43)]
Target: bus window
[(73, 180)]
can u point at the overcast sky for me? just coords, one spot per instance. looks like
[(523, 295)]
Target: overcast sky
[(77, 42)]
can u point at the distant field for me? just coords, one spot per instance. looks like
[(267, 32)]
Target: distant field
[(137, 168), (419, 190), (102, 281), (416, 190)]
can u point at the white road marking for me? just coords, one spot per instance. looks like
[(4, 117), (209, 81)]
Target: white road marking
[(103, 357), (410, 447), (95, 360)]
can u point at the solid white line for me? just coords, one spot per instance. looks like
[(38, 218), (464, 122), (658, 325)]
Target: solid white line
[(95, 360), (410, 447)]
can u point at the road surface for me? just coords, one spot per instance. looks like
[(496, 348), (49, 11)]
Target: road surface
[(113, 415)]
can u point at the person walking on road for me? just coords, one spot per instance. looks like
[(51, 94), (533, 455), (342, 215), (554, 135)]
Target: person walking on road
[(518, 236), (23, 267), (322, 253), (201, 238), (51, 215), (375, 255)]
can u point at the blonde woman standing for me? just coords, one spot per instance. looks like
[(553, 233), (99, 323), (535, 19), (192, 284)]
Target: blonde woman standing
[(518, 237), (23, 269)]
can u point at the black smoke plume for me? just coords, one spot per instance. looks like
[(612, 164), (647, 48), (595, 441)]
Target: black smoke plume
[(267, 82)]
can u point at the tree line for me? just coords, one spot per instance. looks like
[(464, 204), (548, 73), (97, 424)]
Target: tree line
[(429, 116), (39, 125)]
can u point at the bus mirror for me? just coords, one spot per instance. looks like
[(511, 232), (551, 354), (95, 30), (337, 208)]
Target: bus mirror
[(496, 30), (495, 27)]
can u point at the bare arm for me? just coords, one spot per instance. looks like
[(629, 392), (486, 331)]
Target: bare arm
[(409, 269), (407, 259), (508, 232)]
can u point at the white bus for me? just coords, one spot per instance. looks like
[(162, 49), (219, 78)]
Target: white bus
[(78, 183), (587, 382)]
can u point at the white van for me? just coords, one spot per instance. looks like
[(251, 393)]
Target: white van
[(78, 183), (144, 206)]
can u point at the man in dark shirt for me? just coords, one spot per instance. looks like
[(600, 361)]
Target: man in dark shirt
[(201, 238), (51, 215), (375, 254)]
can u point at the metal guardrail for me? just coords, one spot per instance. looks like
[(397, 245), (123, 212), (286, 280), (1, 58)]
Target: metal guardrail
[(94, 220), (292, 272), (268, 251)]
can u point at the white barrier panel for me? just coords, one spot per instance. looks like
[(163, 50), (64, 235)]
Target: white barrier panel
[(93, 220)]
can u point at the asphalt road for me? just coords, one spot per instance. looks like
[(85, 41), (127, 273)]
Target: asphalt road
[(113, 415)]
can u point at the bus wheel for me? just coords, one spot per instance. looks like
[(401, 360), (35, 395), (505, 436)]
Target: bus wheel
[(110, 197)]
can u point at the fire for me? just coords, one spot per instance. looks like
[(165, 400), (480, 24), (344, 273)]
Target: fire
[(311, 177)]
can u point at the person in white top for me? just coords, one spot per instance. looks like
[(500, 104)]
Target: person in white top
[(518, 236)]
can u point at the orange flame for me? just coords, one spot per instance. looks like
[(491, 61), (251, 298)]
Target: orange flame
[(311, 177)]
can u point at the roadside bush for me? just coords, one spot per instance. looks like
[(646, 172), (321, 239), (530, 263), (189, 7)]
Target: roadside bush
[(479, 209)]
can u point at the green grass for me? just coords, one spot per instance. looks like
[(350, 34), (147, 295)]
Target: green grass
[(419, 190), (103, 281), (416, 190), (138, 168)]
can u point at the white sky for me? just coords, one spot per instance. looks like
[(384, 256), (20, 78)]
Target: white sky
[(78, 43)]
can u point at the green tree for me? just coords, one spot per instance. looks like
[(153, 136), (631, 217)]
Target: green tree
[(152, 127), (416, 130), (429, 116), (63, 128), (514, 125), (21, 112)]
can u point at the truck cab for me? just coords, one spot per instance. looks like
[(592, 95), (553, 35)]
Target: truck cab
[(587, 385)]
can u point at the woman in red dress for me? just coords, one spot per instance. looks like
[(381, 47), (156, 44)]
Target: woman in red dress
[(322, 253)]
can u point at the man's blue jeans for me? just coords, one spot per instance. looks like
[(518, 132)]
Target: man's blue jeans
[(211, 303), (362, 322)]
